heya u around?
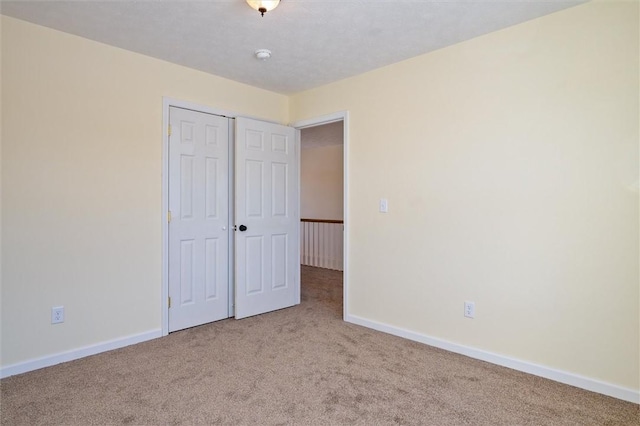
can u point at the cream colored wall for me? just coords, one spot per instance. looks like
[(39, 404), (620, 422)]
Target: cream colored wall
[(81, 184), (510, 163), (321, 190)]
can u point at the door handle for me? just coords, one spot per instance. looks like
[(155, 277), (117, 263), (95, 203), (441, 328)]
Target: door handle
[(242, 228)]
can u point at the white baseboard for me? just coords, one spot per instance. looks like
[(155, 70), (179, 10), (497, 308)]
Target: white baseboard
[(49, 360), (526, 367)]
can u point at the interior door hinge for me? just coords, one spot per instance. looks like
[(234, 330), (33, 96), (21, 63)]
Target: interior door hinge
[(169, 302), (169, 129), (169, 216)]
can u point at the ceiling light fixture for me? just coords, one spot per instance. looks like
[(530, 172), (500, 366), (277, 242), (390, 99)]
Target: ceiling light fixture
[(263, 6)]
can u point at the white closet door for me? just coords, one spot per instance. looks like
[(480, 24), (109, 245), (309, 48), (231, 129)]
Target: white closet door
[(199, 206), (266, 217)]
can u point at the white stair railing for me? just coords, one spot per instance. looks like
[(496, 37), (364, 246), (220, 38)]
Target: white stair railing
[(321, 243)]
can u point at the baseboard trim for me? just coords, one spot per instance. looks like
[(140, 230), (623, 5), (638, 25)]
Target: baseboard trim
[(49, 360), (524, 366)]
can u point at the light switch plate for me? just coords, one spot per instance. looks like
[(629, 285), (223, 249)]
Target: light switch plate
[(384, 205)]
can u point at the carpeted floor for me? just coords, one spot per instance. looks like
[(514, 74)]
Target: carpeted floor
[(297, 366)]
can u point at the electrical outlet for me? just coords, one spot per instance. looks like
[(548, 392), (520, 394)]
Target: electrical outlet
[(470, 309), (57, 314)]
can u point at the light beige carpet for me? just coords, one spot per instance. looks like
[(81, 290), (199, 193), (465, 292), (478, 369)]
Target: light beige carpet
[(298, 366)]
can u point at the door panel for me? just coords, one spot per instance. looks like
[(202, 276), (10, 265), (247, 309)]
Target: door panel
[(267, 275), (198, 231)]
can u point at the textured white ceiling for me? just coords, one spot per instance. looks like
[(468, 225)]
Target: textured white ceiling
[(313, 42), (324, 135)]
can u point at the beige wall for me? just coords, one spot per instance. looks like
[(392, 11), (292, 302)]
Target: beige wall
[(321, 189), (510, 163), (81, 184)]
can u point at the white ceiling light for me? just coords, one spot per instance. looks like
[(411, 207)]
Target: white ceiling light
[(263, 6), (263, 54)]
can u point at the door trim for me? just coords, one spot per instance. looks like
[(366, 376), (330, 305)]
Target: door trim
[(326, 119)]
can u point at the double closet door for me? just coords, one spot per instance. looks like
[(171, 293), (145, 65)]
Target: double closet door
[(234, 220)]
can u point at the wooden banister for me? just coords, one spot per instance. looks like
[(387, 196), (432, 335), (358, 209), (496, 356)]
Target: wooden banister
[(322, 220)]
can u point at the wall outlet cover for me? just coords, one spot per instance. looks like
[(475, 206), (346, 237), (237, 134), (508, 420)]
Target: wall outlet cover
[(469, 309), (57, 314)]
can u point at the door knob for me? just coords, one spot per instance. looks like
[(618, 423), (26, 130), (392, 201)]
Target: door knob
[(242, 228)]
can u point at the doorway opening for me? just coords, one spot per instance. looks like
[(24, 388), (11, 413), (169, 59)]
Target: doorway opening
[(323, 200)]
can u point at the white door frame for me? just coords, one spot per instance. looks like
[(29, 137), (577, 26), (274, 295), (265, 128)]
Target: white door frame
[(326, 119)]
